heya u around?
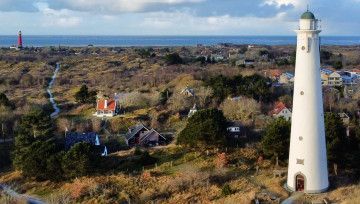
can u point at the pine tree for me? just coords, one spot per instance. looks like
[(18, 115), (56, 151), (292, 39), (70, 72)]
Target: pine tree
[(205, 127), (276, 139), (33, 145), (85, 96), (336, 140)]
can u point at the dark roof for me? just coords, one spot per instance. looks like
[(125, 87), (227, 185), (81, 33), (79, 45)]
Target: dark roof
[(308, 15), (134, 130), (75, 137), (147, 133)]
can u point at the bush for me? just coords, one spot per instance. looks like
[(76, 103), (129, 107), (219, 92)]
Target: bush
[(173, 58), (226, 190), (205, 127), (5, 102)]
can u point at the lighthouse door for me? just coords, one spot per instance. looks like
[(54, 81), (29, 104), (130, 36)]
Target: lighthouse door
[(300, 183)]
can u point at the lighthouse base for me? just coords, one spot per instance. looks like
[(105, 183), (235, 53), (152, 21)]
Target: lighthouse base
[(290, 189)]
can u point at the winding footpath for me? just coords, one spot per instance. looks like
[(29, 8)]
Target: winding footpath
[(6, 189), (51, 96), (18, 196)]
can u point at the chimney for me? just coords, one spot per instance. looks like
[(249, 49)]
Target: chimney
[(105, 104)]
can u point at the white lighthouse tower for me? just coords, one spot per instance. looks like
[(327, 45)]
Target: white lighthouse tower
[(307, 159)]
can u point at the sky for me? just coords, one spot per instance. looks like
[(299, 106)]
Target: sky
[(174, 17)]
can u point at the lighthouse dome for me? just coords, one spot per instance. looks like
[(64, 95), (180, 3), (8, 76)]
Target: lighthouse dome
[(308, 15)]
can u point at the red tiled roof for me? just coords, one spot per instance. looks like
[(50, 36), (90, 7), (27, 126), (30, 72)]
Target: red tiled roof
[(111, 104), (279, 106), (275, 72)]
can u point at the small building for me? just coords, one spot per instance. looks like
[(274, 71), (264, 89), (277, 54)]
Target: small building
[(248, 62), (72, 138), (234, 132), (324, 73), (274, 74), (280, 110), (106, 108), (192, 111), (286, 78), (335, 79), (345, 118), (217, 57), (188, 92), (140, 135)]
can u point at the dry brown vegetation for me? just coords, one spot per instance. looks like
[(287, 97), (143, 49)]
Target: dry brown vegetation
[(180, 176)]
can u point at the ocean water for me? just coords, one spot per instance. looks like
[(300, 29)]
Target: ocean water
[(112, 41)]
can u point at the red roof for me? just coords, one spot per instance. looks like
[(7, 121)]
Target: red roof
[(111, 104), (279, 106), (275, 72)]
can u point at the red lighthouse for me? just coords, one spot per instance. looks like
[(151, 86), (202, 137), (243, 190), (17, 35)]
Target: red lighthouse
[(20, 45)]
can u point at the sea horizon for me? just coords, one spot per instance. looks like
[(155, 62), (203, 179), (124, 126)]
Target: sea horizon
[(165, 40)]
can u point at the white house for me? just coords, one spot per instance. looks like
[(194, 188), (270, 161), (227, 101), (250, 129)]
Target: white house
[(286, 78), (192, 111), (106, 108), (188, 91), (335, 79), (280, 110)]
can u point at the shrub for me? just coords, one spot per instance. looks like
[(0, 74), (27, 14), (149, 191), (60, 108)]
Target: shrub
[(4, 101), (226, 190), (173, 58)]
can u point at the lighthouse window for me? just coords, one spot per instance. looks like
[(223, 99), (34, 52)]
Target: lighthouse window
[(301, 93), (300, 161), (300, 138), (303, 47)]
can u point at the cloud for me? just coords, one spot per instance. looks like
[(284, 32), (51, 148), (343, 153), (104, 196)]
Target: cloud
[(119, 6), (62, 18), (187, 23), (280, 3)]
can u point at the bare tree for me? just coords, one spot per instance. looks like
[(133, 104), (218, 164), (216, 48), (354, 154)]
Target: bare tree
[(243, 109), (203, 95)]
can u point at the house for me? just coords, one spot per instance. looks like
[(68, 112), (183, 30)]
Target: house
[(325, 73), (280, 110), (348, 77), (345, 118), (286, 78), (248, 62), (274, 74), (335, 79), (140, 135), (106, 107), (217, 57), (234, 131), (192, 111), (72, 138), (188, 92)]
